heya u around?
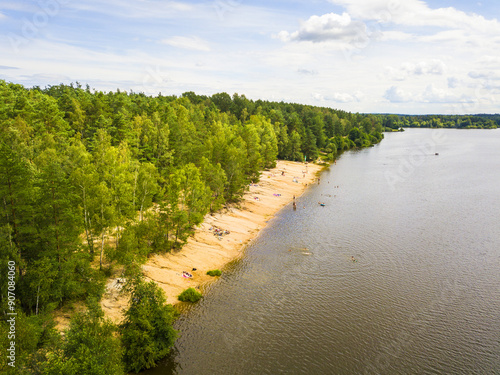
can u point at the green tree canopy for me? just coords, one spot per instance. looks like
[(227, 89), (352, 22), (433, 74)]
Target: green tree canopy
[(147, 333)]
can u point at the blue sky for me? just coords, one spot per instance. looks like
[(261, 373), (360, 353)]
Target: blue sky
[(395, 56)]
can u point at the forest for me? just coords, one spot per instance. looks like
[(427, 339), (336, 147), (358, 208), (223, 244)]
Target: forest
[(93, 180), (480, 121)]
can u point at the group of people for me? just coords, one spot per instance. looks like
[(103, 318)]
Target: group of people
[(218, 231)]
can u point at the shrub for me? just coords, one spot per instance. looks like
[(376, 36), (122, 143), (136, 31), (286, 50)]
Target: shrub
[(190, 295), (214, 273)]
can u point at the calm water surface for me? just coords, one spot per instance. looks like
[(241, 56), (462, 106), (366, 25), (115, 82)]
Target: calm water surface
[(423, 296)]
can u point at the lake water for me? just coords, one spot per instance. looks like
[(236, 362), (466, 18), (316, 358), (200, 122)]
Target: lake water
[(422, 297)]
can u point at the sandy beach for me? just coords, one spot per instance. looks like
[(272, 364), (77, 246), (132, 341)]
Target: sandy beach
[(206, 251)]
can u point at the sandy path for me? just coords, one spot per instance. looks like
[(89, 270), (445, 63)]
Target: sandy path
[(204, 251)]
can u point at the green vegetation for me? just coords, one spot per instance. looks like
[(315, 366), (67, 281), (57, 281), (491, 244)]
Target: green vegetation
[(93, 180), (32, 333), (214, 273), (481, 121), (190, 295), (147, 333), (90, 346)]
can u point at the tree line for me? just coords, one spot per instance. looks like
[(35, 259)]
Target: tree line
[(480, 121), (93, 179)]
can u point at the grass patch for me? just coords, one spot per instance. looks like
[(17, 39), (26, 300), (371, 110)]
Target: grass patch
[(190, 295), (214, 273)]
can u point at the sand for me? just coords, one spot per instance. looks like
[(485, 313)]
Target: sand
[(204, 251)]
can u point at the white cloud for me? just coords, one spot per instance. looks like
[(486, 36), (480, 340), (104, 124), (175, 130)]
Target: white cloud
[(489, 75), (339, 97), (417, 13), (291, 55), (131, 8), (191, 43), (19, 6), (431, 94), (328, 27), (387, 36), (453, 82), (430, 67), (43, 77), (446, 37), (397, 95), (395, 74), (331, 54), (303, 71), (488, 60)]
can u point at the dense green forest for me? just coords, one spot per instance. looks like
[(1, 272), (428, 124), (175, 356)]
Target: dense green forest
[(92, 180), (481, 121)]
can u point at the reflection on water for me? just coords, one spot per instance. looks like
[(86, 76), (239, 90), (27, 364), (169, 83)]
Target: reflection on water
[(423, 296)]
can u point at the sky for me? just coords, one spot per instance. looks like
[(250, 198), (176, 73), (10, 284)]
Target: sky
[(367, 56)]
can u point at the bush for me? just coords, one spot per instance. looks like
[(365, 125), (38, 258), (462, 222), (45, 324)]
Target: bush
[(214, 273), (190, 295)]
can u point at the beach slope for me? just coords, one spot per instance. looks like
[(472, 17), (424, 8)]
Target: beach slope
[(221, 237)]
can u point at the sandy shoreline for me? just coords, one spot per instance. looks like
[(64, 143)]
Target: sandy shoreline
[(205, 251)]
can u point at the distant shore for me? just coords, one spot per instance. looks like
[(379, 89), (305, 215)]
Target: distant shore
[(208, 251)]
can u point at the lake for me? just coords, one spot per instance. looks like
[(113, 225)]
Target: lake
[(421, 297)]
